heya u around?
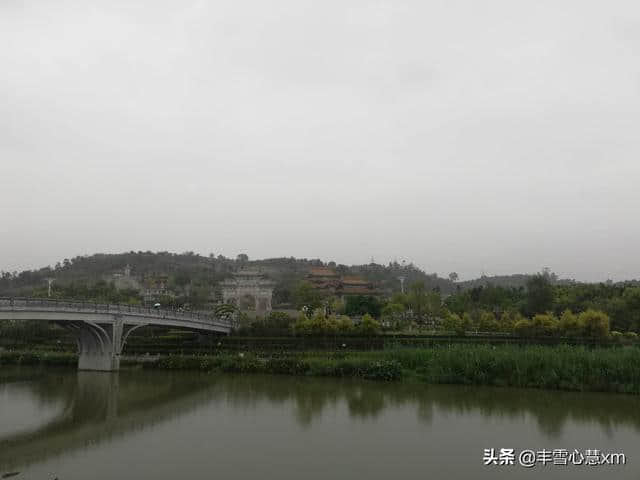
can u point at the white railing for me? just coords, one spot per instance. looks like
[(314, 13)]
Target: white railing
[(48, 304)]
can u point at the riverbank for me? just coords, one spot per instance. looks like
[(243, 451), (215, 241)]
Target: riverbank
[(561, 367)]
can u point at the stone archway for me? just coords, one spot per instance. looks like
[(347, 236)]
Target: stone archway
[(247, 284), (247, 302)]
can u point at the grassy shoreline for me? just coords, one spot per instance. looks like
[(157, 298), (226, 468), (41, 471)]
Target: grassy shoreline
[(561, 367)]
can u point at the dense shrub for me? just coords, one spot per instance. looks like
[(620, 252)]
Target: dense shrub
[(508, 320), (335, 365), (368, 325), (362, 305), (321, 324), (558, 367), (523, 328), (393, 310), (554, 367), (276, 323), (37, 358), (570, 325), (595, 323), (288, 366), (454, 323), (544, 325)]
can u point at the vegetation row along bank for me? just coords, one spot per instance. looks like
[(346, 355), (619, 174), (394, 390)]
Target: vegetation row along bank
[(562, 367)]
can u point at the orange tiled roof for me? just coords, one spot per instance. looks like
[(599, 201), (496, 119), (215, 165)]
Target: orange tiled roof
[(324, 278), (354, 281), (322, 272)]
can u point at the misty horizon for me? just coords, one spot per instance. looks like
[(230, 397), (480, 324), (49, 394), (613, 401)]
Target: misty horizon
[(495, 137), (402, 262)]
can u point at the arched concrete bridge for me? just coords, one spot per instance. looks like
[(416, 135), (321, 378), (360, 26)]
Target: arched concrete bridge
[(101, 330)]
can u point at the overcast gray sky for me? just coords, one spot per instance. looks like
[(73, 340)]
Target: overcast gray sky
[(498, 136)]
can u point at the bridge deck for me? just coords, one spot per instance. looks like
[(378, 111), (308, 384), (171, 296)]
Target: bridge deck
[(61, 310)]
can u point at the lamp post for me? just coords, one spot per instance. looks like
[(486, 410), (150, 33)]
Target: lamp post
[(402, 279), (49, 283)]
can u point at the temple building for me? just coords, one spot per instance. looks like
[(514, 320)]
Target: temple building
[(327, 280), (323, 278)]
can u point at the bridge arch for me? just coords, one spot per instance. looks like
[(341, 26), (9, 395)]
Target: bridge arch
[(101, 331)]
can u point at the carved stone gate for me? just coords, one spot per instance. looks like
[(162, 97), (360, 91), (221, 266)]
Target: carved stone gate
[(249, 285)]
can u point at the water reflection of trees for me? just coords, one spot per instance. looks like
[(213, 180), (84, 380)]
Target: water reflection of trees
[(98, 406), (551, 409)]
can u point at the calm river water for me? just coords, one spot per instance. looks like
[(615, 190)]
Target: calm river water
[(59, 423)]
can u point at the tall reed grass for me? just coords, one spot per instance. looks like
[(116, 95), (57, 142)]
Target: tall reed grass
[(559, 367)]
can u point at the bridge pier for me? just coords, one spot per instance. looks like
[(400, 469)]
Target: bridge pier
[(100, 330), (99, 344)]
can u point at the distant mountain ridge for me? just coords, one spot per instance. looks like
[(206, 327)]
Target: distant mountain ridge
[(205, 272), (515, 280)]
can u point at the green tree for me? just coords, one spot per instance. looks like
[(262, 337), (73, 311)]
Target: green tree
[(417, 298), (305, 295), (544, 325), (454, 323), (393, 309), (595, 323), (540, 294), (344, 324), (523, 328), (394, 314), (401, 298), (509, 319), (488, 322), (360, 305), (467, 322), (368, 325), (278, 320), (321, 324), (570, 325), (180, 279), (631, 298), (424, 304)]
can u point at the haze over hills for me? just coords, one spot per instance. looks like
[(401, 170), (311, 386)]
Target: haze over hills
[(195, 272), (192, 281), (199, 271)]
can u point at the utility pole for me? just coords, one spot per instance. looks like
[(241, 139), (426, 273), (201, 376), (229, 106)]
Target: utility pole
[(402, 279), (49, 283)]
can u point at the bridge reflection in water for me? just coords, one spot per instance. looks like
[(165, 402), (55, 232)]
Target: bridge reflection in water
[(95, 408)]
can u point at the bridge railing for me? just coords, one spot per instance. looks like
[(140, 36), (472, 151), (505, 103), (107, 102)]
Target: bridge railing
[(11, 303)]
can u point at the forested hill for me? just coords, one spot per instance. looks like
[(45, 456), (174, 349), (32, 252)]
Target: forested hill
[(517, 280), (202, 273), (506, 281)]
